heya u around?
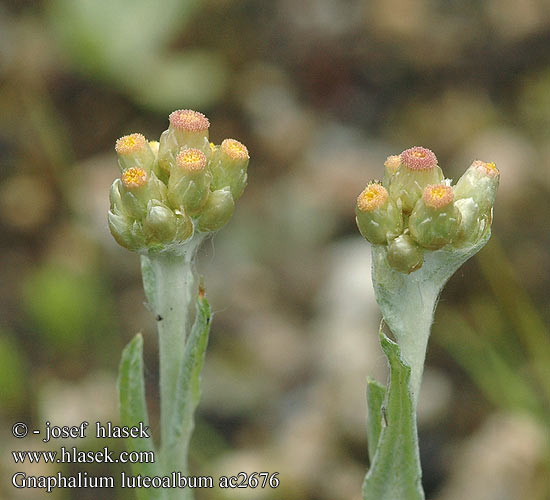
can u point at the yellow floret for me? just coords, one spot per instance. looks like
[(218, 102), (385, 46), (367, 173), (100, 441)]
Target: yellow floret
[(134, 177), (372, 197)]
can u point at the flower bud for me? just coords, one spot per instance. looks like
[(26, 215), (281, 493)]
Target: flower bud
[(184, 227), (418, 169), (378, 217), (391, 165), (435, 219), (473, 222), (115, 197), (137, 188), (166, 188), (217, 211), (134, 151), (404, 254), (159, 225), (228, 166), (479, 182), (188, 185), (126, 232), (187, 129)]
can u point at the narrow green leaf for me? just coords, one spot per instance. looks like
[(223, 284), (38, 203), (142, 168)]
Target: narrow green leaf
[(375, 397), (133, 410), (188, 390), (395, 472)]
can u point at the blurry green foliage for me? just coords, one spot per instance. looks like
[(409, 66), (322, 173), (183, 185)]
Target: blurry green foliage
[(124, 43), (12, 374), (68, 309), (500, 381), (534, 103), (506, 349)]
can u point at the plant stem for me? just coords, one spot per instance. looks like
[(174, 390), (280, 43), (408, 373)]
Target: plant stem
[(170, 284), (410, 322), (407, 302)]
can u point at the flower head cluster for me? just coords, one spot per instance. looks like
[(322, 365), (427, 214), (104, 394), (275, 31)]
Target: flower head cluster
[(416, 209), (177, 187)]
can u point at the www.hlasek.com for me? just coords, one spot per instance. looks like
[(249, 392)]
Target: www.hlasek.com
[(75, 456), (175, 479)]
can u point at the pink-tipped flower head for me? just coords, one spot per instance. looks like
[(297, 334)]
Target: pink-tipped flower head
[(134, 178), (234, 149), (372, 197), (489, 169), (437, 195), (191, 160), (189, 120), (129, 144), (418, 158)]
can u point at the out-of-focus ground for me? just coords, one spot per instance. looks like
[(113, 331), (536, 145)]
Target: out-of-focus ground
[(320, 92)]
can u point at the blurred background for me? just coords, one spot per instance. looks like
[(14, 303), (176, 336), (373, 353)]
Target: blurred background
[(320, 92)]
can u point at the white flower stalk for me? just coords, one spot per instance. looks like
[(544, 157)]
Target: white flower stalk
[(171, 195), (442, 227)]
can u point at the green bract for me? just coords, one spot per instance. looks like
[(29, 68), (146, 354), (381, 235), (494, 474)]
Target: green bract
[(175, 188)]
